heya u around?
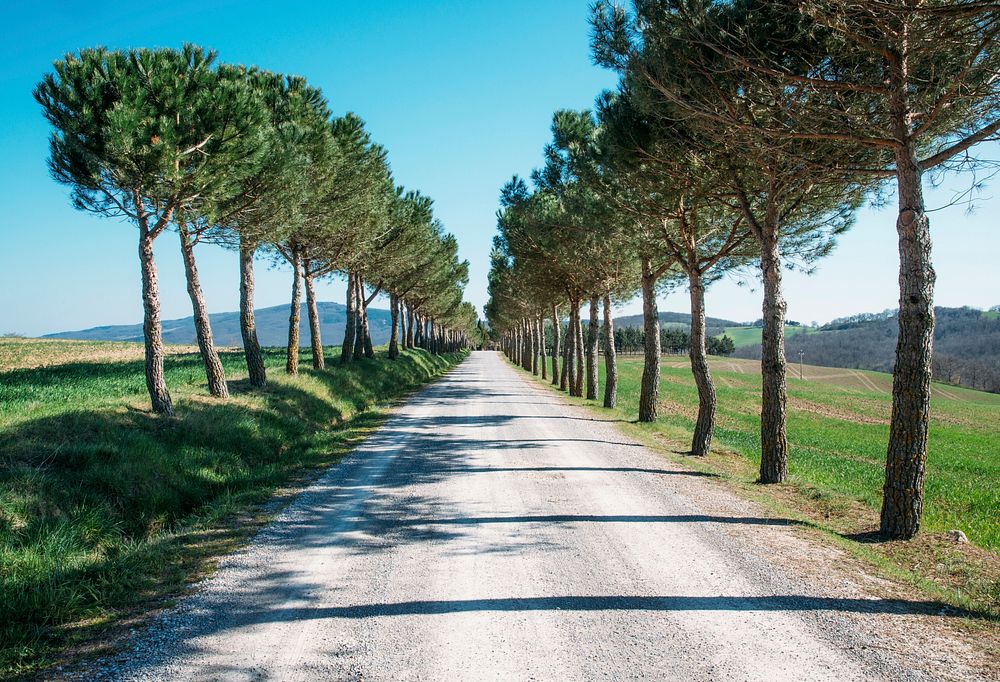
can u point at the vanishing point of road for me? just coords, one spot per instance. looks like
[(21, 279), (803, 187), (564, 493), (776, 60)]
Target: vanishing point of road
[(488, 530)]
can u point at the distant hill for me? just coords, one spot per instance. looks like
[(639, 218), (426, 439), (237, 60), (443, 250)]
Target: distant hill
[(966, 345), (714, 325), (272, 327)]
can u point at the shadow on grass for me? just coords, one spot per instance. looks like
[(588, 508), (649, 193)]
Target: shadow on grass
[(102, 506)]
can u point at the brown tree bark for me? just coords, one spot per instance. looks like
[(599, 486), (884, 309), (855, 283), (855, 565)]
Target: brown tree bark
[(701, 442), (580, 351), (610, 357), (540, 322), (533, 335), (773, 440), (315, 332), (359, 312), (152, 331), (394, 333), (409, 327), (350, 326), (248, 326), (592, 379), (527, 345), (570, 364), (214, 372), (649, 392), (294, 315), (556, 330), (906, 454)]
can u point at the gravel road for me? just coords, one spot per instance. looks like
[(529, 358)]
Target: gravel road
[(489, 531)]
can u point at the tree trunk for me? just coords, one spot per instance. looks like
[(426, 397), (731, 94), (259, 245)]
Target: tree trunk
[(701, 443), (248, 326), (347, 349), (580, 352), (294, 315), (650, 388), (409, 327), (556, 329), (569, 366), (394, 333), (210, 358), (773, 441), (610, 357), (592, 379), (366, 332), (359, 313), (535, 345), (315, 333), (906, 455), (151, 330), (540, 322)]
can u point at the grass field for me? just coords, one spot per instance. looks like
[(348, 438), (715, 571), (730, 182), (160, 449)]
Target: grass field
[(750, 336), (837, 431), (104, 507)]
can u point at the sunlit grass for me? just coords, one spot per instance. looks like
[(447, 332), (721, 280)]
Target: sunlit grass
[(837, 433), (103, 505)]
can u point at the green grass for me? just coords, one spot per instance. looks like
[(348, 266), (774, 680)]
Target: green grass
[(749, 336), (104, 507), (837, 434)]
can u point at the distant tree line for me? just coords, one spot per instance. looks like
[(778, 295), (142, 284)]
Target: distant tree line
[(254, 161), (672, 340), (966, 346), (747, 134)]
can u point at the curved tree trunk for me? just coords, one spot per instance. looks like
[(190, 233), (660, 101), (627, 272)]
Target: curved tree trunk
[(541, 345), (701, 443), (315, 333), (151, 330), (592, 379), (214, 372), (394, 333), (294, 316), (773, 441), (556, 329), (347, 349), (906, 455), (248, 325), (650, 388), (610, 357)]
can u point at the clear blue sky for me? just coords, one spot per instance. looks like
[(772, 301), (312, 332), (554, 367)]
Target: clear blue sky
[(461, 93)]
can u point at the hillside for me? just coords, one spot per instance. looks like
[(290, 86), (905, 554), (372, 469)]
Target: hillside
[(272, 327), (749, 336), (714, 325), (966, 346)]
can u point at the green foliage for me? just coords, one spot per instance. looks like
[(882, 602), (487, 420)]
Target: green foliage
[(148, 132), (103, 507)]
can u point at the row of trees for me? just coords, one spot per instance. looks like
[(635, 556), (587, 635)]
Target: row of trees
[(748, 133), (672, 340), (253, 161)]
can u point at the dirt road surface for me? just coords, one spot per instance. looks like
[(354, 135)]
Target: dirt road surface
[(489, 531)]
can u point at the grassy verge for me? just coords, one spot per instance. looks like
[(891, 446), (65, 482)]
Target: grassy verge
[(837, 434), (105, 508)]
